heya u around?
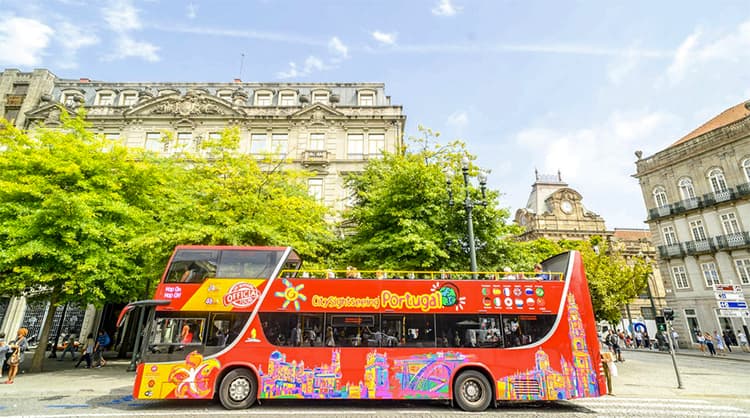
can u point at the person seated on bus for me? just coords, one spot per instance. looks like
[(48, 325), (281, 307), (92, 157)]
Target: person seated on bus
[(193, 274), (508, 275), (539, 274), (329, 340)]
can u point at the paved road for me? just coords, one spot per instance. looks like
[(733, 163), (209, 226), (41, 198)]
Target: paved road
[(645, 387)]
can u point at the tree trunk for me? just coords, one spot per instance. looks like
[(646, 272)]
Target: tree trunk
[(37, 362)]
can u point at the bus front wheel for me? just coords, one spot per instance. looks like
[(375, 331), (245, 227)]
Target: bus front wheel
[(238, 390), (472, 391)]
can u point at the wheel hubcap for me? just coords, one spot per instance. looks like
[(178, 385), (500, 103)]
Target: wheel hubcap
[(472, 391), (239, 389)]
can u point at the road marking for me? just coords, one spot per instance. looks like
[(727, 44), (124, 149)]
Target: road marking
[(255, 411)]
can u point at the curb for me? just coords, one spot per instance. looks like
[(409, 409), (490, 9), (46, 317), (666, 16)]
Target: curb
[(693, 353)]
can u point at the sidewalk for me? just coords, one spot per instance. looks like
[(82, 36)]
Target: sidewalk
[(736, 354), (60, 377)]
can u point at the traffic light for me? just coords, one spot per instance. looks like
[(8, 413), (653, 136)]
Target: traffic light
[(661, 323), (668, 314)]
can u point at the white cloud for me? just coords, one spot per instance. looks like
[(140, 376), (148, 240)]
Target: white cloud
[(458, 119), (445, 8), (622, 66), (701, 48), (597, 160), (311, 64), (384, 37), (121, 16), (336, 47), (192, 11), (72, 38), (23, 40), (127, 47)]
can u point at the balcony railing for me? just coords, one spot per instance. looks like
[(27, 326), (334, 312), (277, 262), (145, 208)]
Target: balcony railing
[(671, 251), (700, 247), (730, 241), (687, 204), (743, 190), (311, 157), (704, 201)]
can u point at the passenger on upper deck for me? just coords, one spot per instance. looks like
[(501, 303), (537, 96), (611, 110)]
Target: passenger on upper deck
[(539, 274)]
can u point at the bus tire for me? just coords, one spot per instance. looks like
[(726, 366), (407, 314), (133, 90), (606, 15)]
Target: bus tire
[(472, 391), (238, 390)]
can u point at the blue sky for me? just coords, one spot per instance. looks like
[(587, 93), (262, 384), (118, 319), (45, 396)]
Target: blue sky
[(575, 86)]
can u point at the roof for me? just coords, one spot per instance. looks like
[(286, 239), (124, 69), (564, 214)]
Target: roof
[(731, 115), (626, 234)]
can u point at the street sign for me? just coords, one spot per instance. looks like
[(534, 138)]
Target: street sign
[(738, 313), (727, 288), (732, 304), (729, 296)]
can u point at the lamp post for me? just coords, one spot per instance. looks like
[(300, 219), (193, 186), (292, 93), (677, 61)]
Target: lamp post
[(469, 204)]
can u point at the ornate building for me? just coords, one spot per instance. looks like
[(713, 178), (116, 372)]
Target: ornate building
[(697, 195), (555, 211), (330, 129)]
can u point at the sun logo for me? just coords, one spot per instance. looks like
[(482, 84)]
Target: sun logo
[(291, 294)]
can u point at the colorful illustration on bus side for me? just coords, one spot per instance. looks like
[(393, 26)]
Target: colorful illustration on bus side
[(416, 376), (577, 378), (195, 378), (450, 295), (291, 294)]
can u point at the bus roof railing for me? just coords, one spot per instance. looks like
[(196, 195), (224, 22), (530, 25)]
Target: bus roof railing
[(352, 273)]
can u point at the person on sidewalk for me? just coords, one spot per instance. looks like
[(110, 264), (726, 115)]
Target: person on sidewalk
[(102, 342), (4, 351), (69, 348), (675, 340), (701, 341), (638, 339), (710, 343), (609, 368), (719, 343), (727, 340), (742, 338), (613, 341), (18, 349), (87, 351)]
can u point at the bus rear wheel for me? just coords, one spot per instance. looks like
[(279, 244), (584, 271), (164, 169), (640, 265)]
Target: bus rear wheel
[(238, 390), (472, 391)]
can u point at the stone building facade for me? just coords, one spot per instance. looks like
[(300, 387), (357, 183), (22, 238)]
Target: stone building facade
[(697, 194), (330, 129)]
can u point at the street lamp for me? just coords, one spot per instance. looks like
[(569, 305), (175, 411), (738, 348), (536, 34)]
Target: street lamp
[(469, 204)]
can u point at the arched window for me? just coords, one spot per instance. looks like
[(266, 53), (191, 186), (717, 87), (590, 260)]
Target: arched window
[(686, 188), (746, 168), (660, 197), (716, 178)]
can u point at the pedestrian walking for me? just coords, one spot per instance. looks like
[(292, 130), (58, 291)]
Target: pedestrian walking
[(4, 353), (614, 345), (638, 339), (610, 369), (727, 340), (742, 338), (646, 340), (87, 351), (710, 344), (70, 347), (718, 342), (18, 349), (102, 342), (675, 339), (701, 341)]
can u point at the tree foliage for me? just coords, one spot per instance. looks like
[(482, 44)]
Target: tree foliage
[(87, 220)]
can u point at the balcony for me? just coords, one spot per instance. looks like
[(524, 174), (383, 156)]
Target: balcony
[(700, 247), (315, 157), (743, 190), (659, 212), (686, 205), (671, 251), (733, 241)]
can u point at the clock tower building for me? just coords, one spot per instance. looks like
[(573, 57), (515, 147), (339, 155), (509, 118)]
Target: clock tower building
[(555, 211)]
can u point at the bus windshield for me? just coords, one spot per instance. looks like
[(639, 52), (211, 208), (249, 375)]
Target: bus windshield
[(197, 265)]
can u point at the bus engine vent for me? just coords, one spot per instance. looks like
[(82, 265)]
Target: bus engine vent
[(526, 387)]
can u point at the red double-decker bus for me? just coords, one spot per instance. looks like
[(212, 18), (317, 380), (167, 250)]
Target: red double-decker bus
[(243, 323)]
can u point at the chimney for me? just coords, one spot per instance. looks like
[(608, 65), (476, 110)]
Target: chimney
[(84, 80), (237, 80)]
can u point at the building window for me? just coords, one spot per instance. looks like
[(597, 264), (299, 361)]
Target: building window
[(317, 142), (355, 145), (660, 197), (320, 97), (670, 238), (184, 141), (105, 99), (225, 95), (287, 99), (154, 142), (258, 144), (647, 312), (11, 114), (112, 136), (710, 275), (716, 178), (696, 228), (129, 99), (743, 270), (730, 224), (263, 99), (375, 144), (686, 188), (680, 277), (367, 99), (68, 99), (279, 144), (315, 188), (20, 88), (746, 168)]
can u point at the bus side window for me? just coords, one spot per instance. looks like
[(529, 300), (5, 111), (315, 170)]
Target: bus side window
[(279, 326)]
